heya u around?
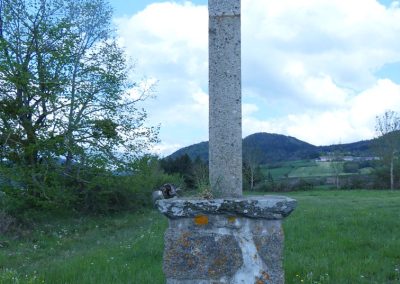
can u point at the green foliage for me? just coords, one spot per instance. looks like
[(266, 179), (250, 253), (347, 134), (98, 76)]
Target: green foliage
[(252, 176), (104, 128), (6, 221), (89, 190), (194, 173), (381, 174), (64, 85), (387, 145), (69, 124), (351, 167), (39, 188)]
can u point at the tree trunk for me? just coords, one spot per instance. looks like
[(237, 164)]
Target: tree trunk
[(68, 163), (337, 181), (68, 140), (391, 173), (252, 180)]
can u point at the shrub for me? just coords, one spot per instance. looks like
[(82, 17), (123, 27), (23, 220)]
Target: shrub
[(89, 190), (105, 191), (351, 167), (6, 221)]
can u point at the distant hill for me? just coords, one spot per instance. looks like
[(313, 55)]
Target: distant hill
[(361, 148), (275, 148), (193, 151)]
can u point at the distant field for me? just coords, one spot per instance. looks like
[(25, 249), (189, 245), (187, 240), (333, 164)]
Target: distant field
[(315, 169), (333, 237), (304, 169)]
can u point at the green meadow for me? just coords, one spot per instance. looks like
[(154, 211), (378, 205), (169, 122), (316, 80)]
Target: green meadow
[(300, 169), (332, 237), (307, 169), (343, 237)]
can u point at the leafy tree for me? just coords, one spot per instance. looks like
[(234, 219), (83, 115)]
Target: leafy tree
[(351, 167), (336, 165), (388, 142), (181, 165), (64, 85), (251, 165), (65, 93)]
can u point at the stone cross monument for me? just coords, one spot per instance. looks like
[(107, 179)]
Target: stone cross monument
[(225, 129), (230, 239)]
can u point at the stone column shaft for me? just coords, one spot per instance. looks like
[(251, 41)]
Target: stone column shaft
[(225, 117)]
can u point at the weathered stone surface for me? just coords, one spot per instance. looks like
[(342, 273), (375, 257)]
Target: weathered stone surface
[(224, 7), (266, 207), (189, 255), (225, 114), (225, 249), (269, 244)]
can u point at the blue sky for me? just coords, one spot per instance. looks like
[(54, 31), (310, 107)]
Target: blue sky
[(318, 70), (130, 7)]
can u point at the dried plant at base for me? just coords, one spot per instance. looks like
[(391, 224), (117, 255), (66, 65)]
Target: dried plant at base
[(206, 193)]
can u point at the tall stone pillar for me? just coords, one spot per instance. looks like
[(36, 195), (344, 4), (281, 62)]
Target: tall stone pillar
[(225, 116), (230, 239)]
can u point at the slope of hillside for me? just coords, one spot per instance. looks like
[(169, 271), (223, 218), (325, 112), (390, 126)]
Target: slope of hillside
[(275, 147), (361, 148), (193, 151)]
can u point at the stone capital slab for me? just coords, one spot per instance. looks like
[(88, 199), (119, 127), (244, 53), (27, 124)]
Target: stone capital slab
[(259, 207)]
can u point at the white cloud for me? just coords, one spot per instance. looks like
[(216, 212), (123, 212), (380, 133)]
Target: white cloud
[(308, 67), (169, 42), (162, 149), (354, 121)]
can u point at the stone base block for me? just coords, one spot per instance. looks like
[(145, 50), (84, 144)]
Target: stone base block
[(225, 240)]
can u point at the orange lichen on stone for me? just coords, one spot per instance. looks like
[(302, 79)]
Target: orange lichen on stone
[(264, 278), (231, 219), (201, 220), (265, 275)]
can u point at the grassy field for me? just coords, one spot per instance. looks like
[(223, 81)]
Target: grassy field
[(332, 237), (306, 169), (301, 169), (119, 249), (344, 237), (315, 170)]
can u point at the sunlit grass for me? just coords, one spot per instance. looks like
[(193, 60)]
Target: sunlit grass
[(119, 249), (332, 237), (344, 237)]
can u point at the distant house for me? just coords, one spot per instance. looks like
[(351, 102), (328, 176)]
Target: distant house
[(348, 158), (345, 159), (371, 158), (324, 159)]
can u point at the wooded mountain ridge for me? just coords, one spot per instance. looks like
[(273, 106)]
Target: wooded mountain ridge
[(269, 147)]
